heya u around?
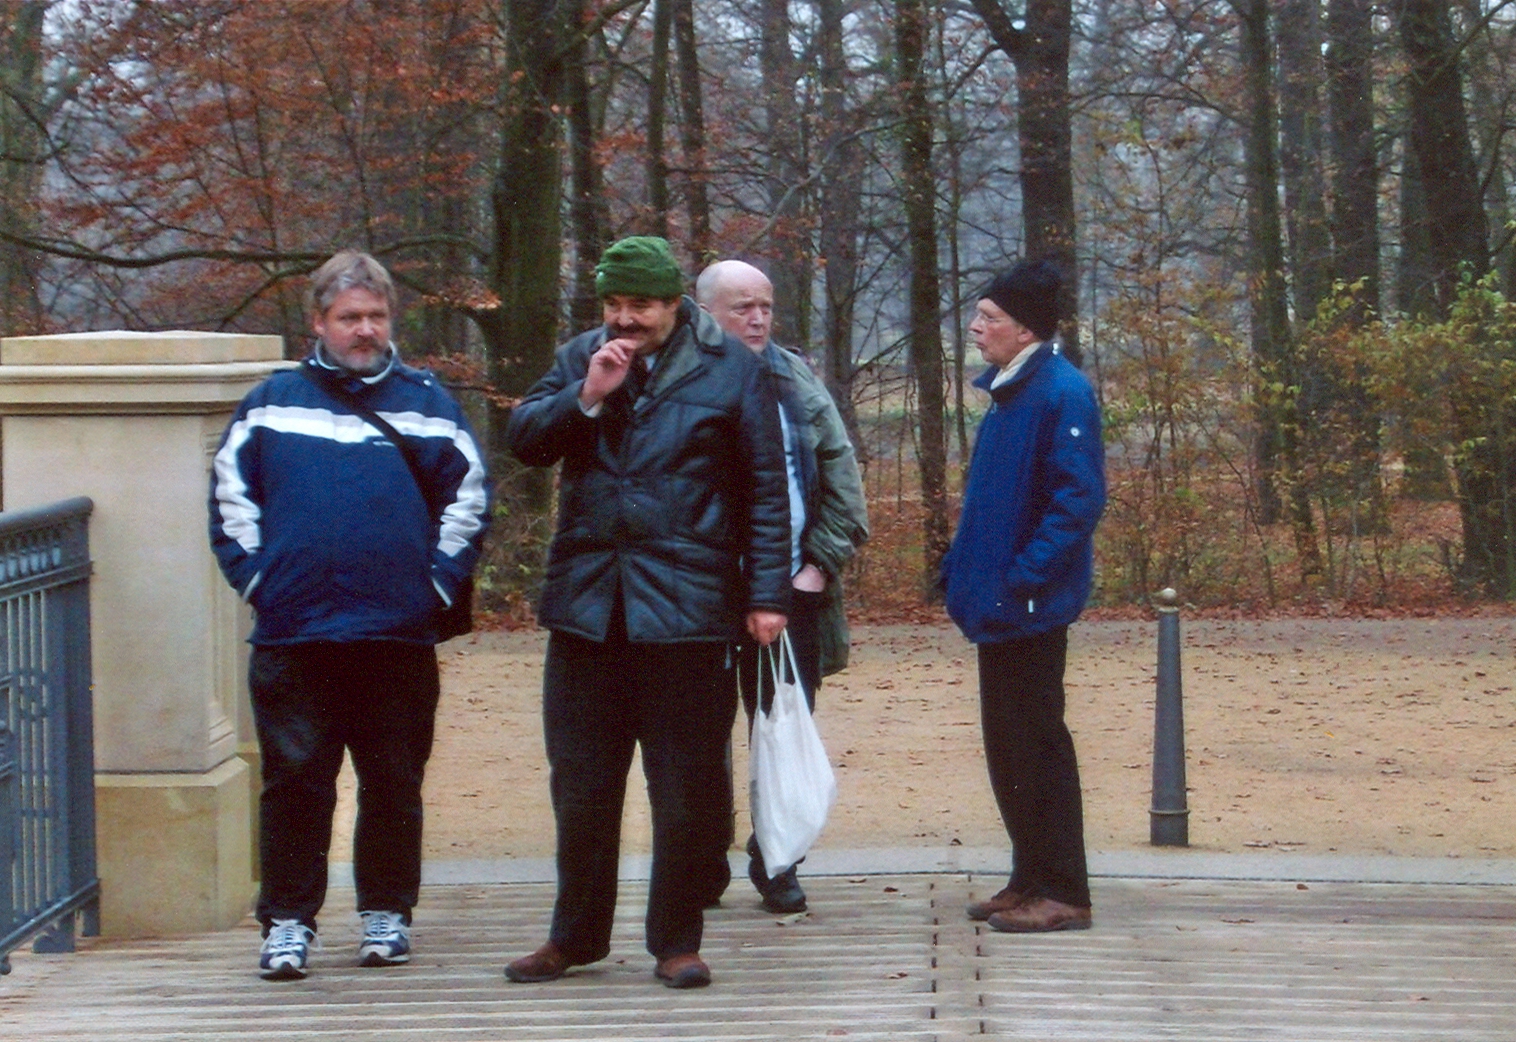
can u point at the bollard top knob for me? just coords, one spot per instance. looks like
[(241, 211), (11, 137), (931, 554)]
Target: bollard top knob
[(1168, 597)]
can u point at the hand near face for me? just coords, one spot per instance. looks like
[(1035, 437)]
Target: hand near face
[(607, 371)]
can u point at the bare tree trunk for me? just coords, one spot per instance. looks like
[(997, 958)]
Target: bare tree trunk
[(522, 331), (692, 124), (657, 222), (1490, 122), (1273, 350), (789, 266), (587, 215), (1458, 234), (1444, 153), (1355, 222), (919, 199), (1300, 151), (1416, 268), (22, 118), (839, 217), (1040, 53), (1355, 184)]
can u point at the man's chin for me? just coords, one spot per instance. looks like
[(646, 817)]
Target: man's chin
[(371, 366)]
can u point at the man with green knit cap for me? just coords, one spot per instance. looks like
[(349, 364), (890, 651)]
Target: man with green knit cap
[(673, 542)]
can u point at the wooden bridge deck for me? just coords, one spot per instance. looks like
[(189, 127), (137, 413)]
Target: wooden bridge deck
[(881, 957)]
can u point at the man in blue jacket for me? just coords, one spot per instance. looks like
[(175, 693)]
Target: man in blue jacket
[(1019, 571), (348, 551)]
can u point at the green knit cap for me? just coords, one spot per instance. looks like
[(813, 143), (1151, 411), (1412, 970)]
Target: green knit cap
[(639, 266)]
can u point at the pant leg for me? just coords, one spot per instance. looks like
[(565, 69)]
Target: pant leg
[(300, 743), (687, 706), (805, 635), (390, 693), (589, 726), (1033, 769)]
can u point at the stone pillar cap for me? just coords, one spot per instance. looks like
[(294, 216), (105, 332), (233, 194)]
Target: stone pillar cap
[(127, 347)]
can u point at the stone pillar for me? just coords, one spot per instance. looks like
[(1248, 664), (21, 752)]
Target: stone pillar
[(132, 420)]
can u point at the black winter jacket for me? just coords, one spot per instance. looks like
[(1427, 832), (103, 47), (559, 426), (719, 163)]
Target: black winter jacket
[(678, 502)]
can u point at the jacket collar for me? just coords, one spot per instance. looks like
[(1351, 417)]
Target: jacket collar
[(319, 359), (695, 333), (1026, 372)]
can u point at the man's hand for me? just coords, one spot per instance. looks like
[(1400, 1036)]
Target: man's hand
[(809, 579), (765, 626), (607, 371)]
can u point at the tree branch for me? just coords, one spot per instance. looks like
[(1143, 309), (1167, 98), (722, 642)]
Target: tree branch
[(1002, 29)]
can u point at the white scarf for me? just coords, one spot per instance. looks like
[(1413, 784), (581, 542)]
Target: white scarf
[(1011, 368)]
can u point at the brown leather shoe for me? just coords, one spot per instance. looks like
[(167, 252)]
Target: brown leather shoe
[(545, 964), (1041, 915), (1001, 902), (683, 971)]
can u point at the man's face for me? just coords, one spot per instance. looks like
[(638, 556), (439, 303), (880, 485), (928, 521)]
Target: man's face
[(356, 331), (1000, 337), (744, 306), (646, 321)]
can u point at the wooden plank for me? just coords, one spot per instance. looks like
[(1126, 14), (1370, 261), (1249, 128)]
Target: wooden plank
[(881, 958)]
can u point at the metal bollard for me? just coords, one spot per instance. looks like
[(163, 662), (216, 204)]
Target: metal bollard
[(1170, 815)]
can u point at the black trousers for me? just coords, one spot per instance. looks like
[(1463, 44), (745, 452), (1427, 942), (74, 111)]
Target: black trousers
[(1033, 770), (378, 701), (600, 701)]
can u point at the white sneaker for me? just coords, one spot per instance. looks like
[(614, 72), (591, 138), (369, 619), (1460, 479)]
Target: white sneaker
[(386, 939), (286, 950)]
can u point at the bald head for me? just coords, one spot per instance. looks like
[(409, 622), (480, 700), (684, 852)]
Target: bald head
[(741, 298)]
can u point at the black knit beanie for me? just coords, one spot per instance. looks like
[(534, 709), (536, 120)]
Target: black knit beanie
[(1029, 294)]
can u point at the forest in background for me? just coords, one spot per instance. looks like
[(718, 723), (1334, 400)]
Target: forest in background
[(1287, 230)]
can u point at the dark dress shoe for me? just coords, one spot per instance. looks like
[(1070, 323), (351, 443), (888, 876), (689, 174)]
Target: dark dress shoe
[(1041, 915), (1001, 902), (683, 971), (782, 894), (545, 964)]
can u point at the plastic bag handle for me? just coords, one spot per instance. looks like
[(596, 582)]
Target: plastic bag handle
[(777, 660)]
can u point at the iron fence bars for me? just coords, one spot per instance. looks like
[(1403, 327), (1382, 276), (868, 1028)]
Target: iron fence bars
[(47, 773)]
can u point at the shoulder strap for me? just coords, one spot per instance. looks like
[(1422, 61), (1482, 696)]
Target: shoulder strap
[(379, 423)]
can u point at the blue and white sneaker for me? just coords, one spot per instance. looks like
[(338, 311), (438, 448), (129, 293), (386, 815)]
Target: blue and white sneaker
[(386, 939), (286, 950)]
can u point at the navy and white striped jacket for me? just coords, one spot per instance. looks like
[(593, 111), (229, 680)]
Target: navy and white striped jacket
[(317, 522)]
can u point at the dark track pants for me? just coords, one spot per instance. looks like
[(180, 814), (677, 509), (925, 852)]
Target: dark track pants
[(378, 701)]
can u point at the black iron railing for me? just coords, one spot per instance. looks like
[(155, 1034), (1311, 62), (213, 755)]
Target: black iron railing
[(47, 751)]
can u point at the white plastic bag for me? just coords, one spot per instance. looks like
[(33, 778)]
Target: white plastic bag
[(791, 784)]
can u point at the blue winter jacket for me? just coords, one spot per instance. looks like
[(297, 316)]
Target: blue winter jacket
[(1022, 560), (317, 522)]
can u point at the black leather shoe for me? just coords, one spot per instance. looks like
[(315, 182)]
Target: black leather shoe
[(782, 895), (755, 867)]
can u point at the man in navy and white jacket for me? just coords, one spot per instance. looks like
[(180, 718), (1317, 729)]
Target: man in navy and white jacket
[(347, 558), (1018, 573)]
